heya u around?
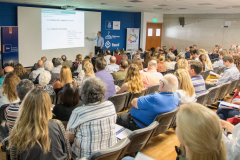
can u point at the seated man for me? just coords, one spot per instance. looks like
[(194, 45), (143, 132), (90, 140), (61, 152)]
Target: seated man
[(151, 77), (66, 62), (231, 73), (219, 63), (118, 57), (8, 69), (12, 111), (196, 55), (121, 74), (35, 66), (56, 69), (112, 67), (194, 70), (34, 74), (105, 76), (146, 108), (107, 56), (187, 54)]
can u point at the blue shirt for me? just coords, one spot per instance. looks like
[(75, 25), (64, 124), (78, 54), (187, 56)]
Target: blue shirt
[(187, 54), (1, 80), (153, 104), (108, 80), (198, 84), (99, 41)]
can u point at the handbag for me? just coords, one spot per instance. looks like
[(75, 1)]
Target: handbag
[(234, 120)]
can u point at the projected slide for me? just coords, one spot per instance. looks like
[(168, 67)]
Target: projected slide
[(62, 29)]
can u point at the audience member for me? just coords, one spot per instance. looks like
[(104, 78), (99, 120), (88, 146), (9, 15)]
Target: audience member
[(186, 92), (214, 54), (1, 76), (35, 73), (181, 55), (100, 55), (118, 57), (20, 71), (202, 59), (80, 67), (44, 80), (147, 58), (146, 108), (107, 56), (208, 61), (78, 61), (200, 133), (56, 69), (170, 64), (233, 51), (94, 60), (194, 70), (182, 64), (219, 63), (35, 66), (69, 101), (35, 135), (139, 63), (196, 54), (53, 62), (91, 127), (8, 69), (220, 48), (112, 67), (187, 53), (48, 66), (12, 111), (105, 77), (175, 52), (151, 77), (91, 55), (66, 62), (121, 74), (194, 46), (88, 72), (161, 64), (133, 82)]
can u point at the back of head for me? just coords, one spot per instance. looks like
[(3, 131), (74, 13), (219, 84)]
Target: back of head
[(88, 68), (181, 55), (233, 50), (228, 58), (53, 61), (140, 49), (40, 64), (153, 49), (87, 58), (199, 129), (162, 58), (58, 61), (182, 64), (152, 64), (115, 51), (100, 55), (23, 87), (44, 59), (203, 58), (65, 75), (19, 70), (137, 56), (70, 95), (171, 56), (33, 120), (48, 66), (195, 51), (101, 63), (124, 64), (113, 59), (202, 51), (44, 78), (138, 62), (64, 58), (223, 52), (8, 69), (196, 66), (170, 83), (79, 58)]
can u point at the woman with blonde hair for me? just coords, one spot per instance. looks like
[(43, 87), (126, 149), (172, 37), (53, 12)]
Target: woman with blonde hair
[(200, 133), (186, 92), (20, 71), (203, 59), (133, 82), (161, 64), (182, 64), (138, 62), (35, 135), (88, 72), (208, 61), (8, 90)]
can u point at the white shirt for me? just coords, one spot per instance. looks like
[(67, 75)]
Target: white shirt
[(4, 99), (111, 68), (170, 65), (33, 75), (107, 58), (57, 69), (184, 98), (220, 49)]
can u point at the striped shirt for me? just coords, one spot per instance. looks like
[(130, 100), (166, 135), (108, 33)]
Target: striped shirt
[(94, 128), (11, 114), (198, 84)]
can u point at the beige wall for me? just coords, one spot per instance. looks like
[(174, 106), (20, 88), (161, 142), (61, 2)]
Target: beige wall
[(205, 30)]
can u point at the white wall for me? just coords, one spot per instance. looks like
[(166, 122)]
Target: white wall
[(29, 33), (205, 30), (145, 18)]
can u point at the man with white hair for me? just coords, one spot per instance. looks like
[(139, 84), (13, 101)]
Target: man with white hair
[(151, 77), (220, 48), (112, 67), (146, 108), (233, 51), (175, 52)]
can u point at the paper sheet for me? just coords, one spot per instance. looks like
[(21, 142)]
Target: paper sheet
[(141, 156), (226, 105), (122, 132), (213, 73)]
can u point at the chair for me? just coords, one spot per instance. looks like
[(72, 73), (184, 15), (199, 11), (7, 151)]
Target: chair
[(140, 137), (170, 71), (59, 97), (135, 95), (202, 98), (206, 73), (152, 89), (104, 51), (216, 69), (115, 152), (163, 72), (213, 94), (233, 86), (3, 134), (221, 70), (164, 120), (119, 101), (120, 82), (53, 98), (224, 90)]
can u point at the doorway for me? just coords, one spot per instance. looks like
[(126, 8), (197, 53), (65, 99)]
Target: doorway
[(153, 35)]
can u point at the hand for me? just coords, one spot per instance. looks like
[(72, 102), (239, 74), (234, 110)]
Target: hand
[(52, 106), (236, 102), (223, 123), (210, 52), (218, 77), (118, 88)]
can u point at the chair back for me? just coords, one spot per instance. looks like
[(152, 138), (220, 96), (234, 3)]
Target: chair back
[(104, 51), (170, 71), (153, 89), (163, 72), (140, 137), (135, 95), (216, 69), (213, 94), (202, 98), (224, 90), (233, 86), (53, 98), (119, 101), (59, 97), (120, 82), (164, 120), (221, 70), (112, 153), (206, 73)]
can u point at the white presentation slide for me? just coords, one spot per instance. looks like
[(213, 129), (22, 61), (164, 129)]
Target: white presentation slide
[(62, 29)]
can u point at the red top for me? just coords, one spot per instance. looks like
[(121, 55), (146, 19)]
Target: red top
[(118, 58), (235, 95)]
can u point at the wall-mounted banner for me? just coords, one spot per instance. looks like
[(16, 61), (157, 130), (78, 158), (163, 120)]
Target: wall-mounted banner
[(132, 39), (9, 46), (112, 25)]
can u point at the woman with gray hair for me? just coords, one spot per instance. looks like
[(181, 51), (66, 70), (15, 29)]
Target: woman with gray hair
[(170, 61), (48, 66), (91, 127), (44, 80)]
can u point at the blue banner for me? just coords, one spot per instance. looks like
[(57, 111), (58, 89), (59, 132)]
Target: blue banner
[(9, 46)]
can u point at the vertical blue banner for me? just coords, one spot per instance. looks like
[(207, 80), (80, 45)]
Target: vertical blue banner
[(9, 46)]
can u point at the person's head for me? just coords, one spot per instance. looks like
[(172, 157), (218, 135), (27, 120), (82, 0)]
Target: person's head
[(65, 75), (101, 64), (202, 51), (93, 90), (44, 59), (79, 58), (9, 86), (135, 84), (19, 70), (44, 78), (48, 66), (170, 57), (219, 46), (100, 55), (170, 50), (233, 46), (1, 72), (113, 60), (94, 61), (8, 69), (203, 59), (138, 62), (182, 64), (122, 52), (91, 54), (64, 58), (123, 65), (70, 95), (53, 62), (222, 53), (228, 60), (195, 53), (99, 33), (33, 120), (187, 49), (58, 61), (87, 58), (140, 50), (194, 46), (174, 47), (233, 50), (23, 87), (169, 83), (157, 49), (184, 82), (161, 51), (115, 52), (164, 48), (88, 69), (152, 49), (161, 59), (108, 52), (152, 65), (181, 55), (137, 56), (40, 64), (194, 68), (200, 132)]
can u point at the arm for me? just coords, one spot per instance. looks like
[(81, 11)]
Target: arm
[(223, 78), (235, 95), (71, 137), (134, 103), (57, 85), (123, 88), (227, 125)]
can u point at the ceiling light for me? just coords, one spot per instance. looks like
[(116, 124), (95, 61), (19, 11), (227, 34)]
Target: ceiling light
[(128, 6), (205, 4), (135, 1)]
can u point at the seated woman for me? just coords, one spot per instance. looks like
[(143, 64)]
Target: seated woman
[(186, 92), (133, 81), (65, 77), (88, 72), (69, 100), (208, 61), (161, 64), (48, 66), (35, 135), (44, 80), (80, 67), (170, 61), (91, 127), (200, 133), (8, 89), (20, 71), (147, 58), (138, 62), (182, 64), (78, 61), (202, 59)]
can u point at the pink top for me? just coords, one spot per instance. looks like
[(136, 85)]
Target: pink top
[(151, 78)]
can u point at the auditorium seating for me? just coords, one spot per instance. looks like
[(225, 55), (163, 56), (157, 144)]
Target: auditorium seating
[(216, 69), (120, 101), (205, 74), (202, 98), (213, 94), (224, 90), (135, 95), (233, 86), (153, 89), (120, 82)]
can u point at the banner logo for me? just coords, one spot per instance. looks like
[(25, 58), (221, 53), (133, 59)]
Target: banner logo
[(112, 25), (132, 38), (111, 37), (107, 44), (115, 45)]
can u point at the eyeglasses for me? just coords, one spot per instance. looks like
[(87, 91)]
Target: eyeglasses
[(161, 81)]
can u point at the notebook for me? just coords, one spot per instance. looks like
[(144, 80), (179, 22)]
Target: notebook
[(226, 105)]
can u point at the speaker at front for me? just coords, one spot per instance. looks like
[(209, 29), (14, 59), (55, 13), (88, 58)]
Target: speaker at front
[(182, 21)]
